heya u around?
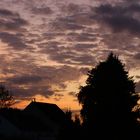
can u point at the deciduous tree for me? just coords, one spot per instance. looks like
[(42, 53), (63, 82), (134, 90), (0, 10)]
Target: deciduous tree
[(6, 99)]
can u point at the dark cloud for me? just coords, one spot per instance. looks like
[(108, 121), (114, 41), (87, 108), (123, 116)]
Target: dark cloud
[(61, 74), (120, 17), (32, 80), (123, 23), (13, 40), (119, 41), (42, 10), (57, 52), (82, 37), (4, 12), (28, 92), (11, 21), (58, 96), (27, 73), (84, 47), (134, 7), (25, 79), (137, 76), (51, 46), (73, 20), (69, 55), (72, 94), (138, 87), (52, 35), (71, 8), (75, 59), (63, 24), (76, 21), (137, 56)]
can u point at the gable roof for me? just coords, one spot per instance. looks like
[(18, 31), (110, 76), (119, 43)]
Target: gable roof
[(50, 110)]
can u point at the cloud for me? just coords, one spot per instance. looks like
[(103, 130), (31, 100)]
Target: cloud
[(42, 10), (71, 35), (72, 17), (85, 59), (11, 21), (120, 17), (13, 40), (84, 70), (61, 74), (137, 56), (72, 94), (25, 79), (82, 37), (11, 25), (123, 23), (119, 28), (32, 80), (71, 8), (58, 96), (4, 12), (138, 87), (69, 54), (84, 47), (28, 92), (76, 21), (63, 24), (137, 76)]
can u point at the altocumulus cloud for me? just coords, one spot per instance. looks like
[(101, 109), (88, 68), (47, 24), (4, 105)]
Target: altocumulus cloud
[(42, 10), (12, 29), (72, 34), (10, 20), (27, 85), (13, 40), (120, 18)]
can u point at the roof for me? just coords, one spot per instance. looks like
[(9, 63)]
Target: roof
[(50, 110)]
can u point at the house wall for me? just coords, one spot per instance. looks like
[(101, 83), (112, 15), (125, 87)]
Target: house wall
[(7, 128), (54, 127)]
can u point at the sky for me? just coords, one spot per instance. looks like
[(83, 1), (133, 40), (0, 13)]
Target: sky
[(48, 46)]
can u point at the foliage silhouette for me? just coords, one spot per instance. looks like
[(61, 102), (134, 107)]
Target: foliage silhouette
[(6, 99), (68, 114), (72, 128), (107, 101), (77, 121)]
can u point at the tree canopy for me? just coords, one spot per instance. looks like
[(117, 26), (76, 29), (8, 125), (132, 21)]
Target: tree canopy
[(6, 99), (108, 97)]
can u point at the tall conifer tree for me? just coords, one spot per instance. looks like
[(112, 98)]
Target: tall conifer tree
[(108, 98)]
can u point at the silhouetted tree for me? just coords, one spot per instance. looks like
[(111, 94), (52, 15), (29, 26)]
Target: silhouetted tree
[(108, 99), (68, 114), (6, 99), (77, 121), (67, 131)]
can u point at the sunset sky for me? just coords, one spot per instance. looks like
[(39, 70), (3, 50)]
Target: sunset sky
[(47, 46)]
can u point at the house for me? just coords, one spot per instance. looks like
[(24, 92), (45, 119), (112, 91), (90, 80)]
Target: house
[(50, 114), (38, 121)]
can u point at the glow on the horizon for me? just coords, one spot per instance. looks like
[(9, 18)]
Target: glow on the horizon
[(65, 103)]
